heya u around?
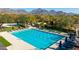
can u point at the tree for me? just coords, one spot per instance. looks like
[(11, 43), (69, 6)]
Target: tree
[(22, 19)]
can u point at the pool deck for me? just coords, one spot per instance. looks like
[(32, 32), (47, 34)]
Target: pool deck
[(17, 44)]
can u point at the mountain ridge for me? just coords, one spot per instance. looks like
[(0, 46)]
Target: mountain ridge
[(35, 11)]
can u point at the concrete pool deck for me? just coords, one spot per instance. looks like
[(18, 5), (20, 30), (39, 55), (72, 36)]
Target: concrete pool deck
[(17, 44)]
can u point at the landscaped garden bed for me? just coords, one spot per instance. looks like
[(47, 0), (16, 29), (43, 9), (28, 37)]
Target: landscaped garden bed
[(4, 42)]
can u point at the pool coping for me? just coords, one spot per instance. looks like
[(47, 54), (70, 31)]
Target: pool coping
[(33, 48), (47, 32)]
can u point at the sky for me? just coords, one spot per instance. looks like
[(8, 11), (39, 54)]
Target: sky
[(68, 10)]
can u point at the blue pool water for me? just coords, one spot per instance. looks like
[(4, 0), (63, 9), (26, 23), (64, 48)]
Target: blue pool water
[(37, 38)]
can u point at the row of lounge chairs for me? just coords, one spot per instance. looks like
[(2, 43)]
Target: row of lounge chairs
[(68, 44)]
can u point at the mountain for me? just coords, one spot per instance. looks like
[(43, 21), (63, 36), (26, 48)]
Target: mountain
[(52, 12), (35, 11), (61, 13), (39, 11), (6, 10), (21, 11), (12, 11)]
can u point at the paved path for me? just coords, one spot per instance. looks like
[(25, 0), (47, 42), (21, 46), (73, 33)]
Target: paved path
[(17, 44)]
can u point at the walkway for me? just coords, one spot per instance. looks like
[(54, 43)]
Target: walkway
[(17, 44)]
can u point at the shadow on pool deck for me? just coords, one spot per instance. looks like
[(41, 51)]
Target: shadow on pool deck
[(2, 47)]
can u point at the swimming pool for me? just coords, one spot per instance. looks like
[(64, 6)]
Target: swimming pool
[(38, 38)]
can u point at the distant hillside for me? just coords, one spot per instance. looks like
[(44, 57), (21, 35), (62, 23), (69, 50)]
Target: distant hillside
[(35, 11), (13, 11), (39, 11), (52, 12)]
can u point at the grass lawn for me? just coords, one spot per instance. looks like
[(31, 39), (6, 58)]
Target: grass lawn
[(5, 42)]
